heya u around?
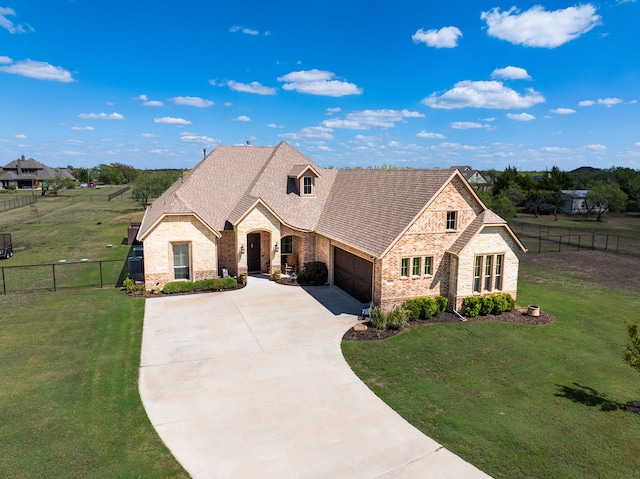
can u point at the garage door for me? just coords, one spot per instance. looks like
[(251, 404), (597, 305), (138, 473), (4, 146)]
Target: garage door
[(352, 274)]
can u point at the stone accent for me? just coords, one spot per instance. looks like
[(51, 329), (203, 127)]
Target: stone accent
[(259, 219), (158, 250)]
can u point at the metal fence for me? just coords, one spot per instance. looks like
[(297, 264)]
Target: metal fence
[(545, 238), (62, 275), (18, 202), (119, 192)]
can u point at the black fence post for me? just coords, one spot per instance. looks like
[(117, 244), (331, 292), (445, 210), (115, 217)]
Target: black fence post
[(101, 282), (593, 241), (4, 283), (53, 267)]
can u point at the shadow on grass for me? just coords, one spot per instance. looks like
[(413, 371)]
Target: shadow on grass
[(588, 396)]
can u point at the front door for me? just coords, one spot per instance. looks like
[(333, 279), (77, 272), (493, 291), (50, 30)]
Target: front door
[(253, 252)]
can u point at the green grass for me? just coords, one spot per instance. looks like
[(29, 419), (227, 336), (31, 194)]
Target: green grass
[(69, 402), (515, 400)]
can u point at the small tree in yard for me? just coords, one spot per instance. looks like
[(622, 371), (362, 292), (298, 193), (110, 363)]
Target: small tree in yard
[(606, 197), (152, 185), (632, 358)]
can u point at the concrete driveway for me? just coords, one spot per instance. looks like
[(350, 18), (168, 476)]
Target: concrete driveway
[(252, 384)]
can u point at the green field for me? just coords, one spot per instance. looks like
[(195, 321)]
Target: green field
[(519, 400), (69, 402)]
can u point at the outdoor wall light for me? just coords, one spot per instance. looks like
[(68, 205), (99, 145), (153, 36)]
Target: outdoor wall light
[(241, 249), (275, 248)]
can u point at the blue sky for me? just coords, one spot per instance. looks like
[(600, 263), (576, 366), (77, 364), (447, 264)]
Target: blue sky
[(349, 83)]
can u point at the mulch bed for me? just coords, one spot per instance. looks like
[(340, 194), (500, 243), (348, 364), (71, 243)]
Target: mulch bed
[(633, 406), (150, 294), (517, 316)]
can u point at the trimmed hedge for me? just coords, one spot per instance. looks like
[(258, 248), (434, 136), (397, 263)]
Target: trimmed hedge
[(425, 308), (314, 272), (213, 284), (496, 303)]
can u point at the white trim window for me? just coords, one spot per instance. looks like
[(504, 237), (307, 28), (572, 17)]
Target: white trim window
[(307, 186), (428, 265), (404, 267), (415, 266), (452, 222), (488, 273), (181, 261)]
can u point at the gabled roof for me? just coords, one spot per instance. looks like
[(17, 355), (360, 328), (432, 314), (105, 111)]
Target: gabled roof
[(369, 209), (485, 219), (366, 209)]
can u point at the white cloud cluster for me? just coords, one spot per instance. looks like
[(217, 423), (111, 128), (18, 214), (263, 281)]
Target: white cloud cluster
[(253, 87), (318, 82), (609, 102), (9, 25), (446, 37), (468, 125), (520, 116), (310, 133), (563, 111), (101, 116), (511, 73), (430, 135), (82, 128), (38, 70), (168, 120), (364, 120), (146, 102), (537, 27), (245, 30), (191, 101), (202, 140), (483, 94)]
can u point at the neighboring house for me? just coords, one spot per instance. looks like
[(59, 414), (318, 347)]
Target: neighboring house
[(385, 235), (474, 177), (576, 202), (29, 174)]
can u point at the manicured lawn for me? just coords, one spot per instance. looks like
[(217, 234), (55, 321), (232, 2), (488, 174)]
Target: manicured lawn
[(521, 401), (69, 402)]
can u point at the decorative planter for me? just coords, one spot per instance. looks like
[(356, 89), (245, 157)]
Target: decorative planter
[(533, 310)]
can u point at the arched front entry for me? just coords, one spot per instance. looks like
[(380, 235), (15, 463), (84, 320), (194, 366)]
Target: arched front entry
[(259, 254)]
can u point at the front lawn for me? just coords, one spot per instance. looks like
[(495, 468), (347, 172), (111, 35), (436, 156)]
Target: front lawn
[(69, 402), (520, 400)]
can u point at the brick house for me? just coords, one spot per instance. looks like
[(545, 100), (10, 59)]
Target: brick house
[(23, 173), (385, 235)]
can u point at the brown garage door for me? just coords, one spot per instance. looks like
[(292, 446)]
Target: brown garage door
[(352, 274)]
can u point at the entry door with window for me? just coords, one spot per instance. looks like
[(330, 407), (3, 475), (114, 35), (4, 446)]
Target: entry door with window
[(253, 252)]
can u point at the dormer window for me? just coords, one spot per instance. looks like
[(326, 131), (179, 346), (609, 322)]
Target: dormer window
[(304, 177), (307, 186)]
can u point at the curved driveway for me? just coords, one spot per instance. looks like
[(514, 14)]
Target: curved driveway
[(252, 384)]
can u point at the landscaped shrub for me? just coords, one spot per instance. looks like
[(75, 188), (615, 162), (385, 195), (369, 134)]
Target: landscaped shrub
[(378, 318), (471, 306), (442, 304), (174, 287), (229, 282), (496, 303), (131, 286), (425, 308), (413, 307), (397, 318), (314, 272)]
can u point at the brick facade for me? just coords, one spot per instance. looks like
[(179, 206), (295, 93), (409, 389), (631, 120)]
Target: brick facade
[(259, 220), (158, 250)]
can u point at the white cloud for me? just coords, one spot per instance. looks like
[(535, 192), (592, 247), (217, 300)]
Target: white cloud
[(468, 125), (167, 120), (483, 94), (318, 82), (595, 148), (331, 111), (4, 59), (82, 128), (20, 136), (511, 73), (520, 116), (192, 101), (364, 120), (202, 140), (9, 25), (101, 116), (310, 133), (563, 111), (537, 27), (430, 135), (273, 125), (609, 102), (446, 37), (243, 118), (38, 70), (555, 149), (146, 102), (246, 31), (253, 87), (72, 142), (147, 135)]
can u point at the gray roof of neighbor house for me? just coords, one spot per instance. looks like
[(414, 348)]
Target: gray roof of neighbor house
[(15, 171), (366, 209)]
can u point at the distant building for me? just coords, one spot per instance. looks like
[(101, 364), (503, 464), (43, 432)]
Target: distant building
[(29, 174), (474, 177), (576, 202)]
